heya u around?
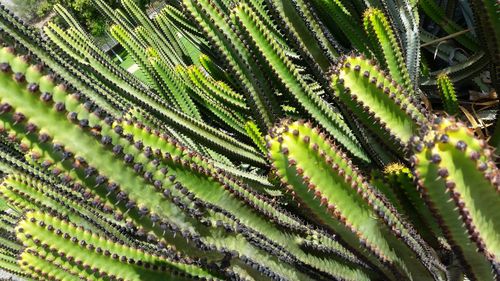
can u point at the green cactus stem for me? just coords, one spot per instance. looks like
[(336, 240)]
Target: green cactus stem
[(74, 249), (434, 11), (460, 183), (324, 182), (386, 48), (288, 74), (217, 27), (256, 136), (448, 95), (374, 97)]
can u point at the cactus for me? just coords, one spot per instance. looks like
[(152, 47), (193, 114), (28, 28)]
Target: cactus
[(323, 178), (388, 53), (434, 11), (485, 14), (452, 169), (448, 95), (374, 97), (288, 75), (73, 250), (259, 147)]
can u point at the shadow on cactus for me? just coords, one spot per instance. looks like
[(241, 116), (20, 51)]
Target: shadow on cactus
[(272, 140)]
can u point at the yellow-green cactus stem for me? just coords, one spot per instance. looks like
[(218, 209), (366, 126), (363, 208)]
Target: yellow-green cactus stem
[(387, 49), (448, 95), (330, 188), (375, 98), (460, 183)]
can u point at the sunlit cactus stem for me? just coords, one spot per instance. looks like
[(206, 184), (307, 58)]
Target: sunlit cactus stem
[(375, 98), (331, 190), (386, 48), (460, 183), (448, 94), (74, 249)]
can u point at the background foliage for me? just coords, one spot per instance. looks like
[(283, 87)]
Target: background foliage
[(84, 10)]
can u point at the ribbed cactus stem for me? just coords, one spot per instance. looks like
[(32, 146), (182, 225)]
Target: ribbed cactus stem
[(256, 136), (73, 248), (460, 183), (331, 190), (448, 94), (375, 98), (288, 75), (387, 49), (182, 171)]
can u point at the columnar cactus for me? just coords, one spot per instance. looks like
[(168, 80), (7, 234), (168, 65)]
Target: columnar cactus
[(448, 94), (375, 98), (322, 178), (201, 170), (453, 170), (386, 47), (55, 248)]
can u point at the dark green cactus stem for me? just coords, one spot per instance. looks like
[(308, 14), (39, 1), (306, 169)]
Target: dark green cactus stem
[(74, 44), (139, 56), (59, 131), (461, 71), (167, 83), (9, 246), (169, 51), (9, 264), (163, 174), (306, 33), (437, 14), (213, 69), (174, 86), (386, 48), (69, 18), (28, 38), (112, 164), (114, 15), (460, 183), (488, 29), (50, 128), (212, 98), (217, 89), (27, 193), (448, 95), (212, 137), (405, 19), (374, 97), (169, 29), (323, 180), (262, 9), (220, 198), (347, 21)]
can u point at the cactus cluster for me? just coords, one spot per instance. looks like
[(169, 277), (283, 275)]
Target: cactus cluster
[(268, 140)]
